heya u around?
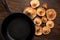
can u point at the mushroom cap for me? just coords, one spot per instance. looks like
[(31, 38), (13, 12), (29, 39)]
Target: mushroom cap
[(38, 30), (50, 24), (44, 19), (46, 30), (30, 12), (51, 14), (40, 11), (35, 3), (37, 21), (45, 5)]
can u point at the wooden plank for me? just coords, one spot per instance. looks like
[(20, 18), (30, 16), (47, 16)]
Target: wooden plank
[(19, 5)]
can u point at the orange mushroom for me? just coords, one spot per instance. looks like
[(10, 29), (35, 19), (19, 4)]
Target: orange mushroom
[(44, 19), (46, 30), (35, 3), (45, 5), (40, 11), (37, 21), (51, 14), (50, 24), (38, 30), (30, 12)]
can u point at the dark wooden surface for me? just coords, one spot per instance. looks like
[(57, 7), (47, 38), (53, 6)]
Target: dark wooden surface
[(19, 5), (3, 14)]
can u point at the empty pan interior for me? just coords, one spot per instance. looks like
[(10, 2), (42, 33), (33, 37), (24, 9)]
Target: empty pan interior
[(18, 26)]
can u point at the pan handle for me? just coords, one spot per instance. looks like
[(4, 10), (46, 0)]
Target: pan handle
[(5, 6)]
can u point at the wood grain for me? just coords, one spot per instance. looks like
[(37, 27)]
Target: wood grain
[(19, 5)]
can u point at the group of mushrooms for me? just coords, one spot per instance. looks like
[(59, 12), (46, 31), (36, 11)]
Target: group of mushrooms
[(41, 16)]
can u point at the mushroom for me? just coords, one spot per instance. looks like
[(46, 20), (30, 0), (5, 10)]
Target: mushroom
[(44, 19), (35, 3), (46, 30), (30, 12), (37, 21), (50, 24), (51, 14), (38, 30), (40, 11), (45, 5)]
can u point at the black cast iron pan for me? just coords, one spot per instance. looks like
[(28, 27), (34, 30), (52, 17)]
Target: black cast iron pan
[(17, 26)]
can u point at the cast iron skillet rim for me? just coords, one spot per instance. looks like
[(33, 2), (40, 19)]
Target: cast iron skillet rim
[(9, 18)]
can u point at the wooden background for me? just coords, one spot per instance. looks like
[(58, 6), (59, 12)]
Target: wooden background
[(19, 5)]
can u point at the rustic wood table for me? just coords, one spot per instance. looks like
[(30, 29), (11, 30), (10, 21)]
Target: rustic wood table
[(19, 5)]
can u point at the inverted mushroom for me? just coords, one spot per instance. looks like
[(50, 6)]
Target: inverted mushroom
[(44, 19), (34, 3), (37, 21), (38, 30), (50, 24), (40, 11), (46, 30), (51, 14), (30, 12)]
